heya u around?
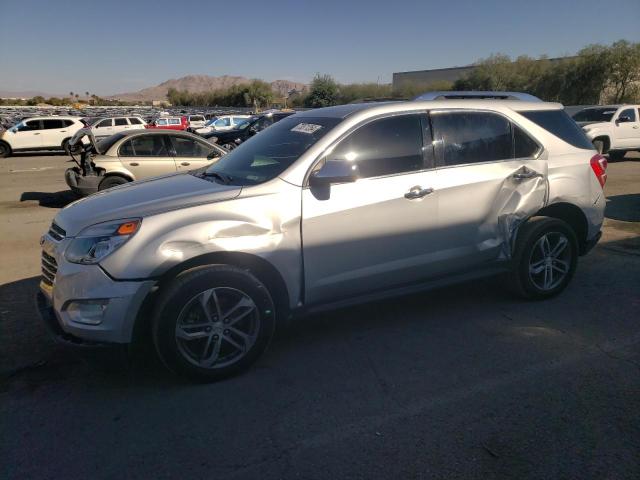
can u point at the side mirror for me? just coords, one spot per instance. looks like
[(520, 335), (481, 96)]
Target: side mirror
[(334, 171), (214, 154), (623, 119)]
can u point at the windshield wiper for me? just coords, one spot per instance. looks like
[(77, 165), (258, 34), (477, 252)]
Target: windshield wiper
[(223, 177)]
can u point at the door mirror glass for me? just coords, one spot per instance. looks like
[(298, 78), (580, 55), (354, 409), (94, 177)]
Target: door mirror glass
[(334, 171), (214, 154)]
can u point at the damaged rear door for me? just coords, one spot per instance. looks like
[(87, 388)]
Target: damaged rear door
[(489, 179)]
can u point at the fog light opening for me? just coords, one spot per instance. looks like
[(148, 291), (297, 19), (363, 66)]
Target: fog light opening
[(87, 312)]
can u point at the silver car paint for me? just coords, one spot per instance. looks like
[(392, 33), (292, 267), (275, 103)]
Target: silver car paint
[(366, 236)]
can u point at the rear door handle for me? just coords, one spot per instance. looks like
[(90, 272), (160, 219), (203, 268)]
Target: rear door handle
[(525, 175), (134, 164), (185, 164), (417, 192), (37, 133)]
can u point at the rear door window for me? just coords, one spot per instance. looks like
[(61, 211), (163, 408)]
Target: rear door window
[(384, 147), (51, 124), (471, 137), (523, 145), (174, 121), (120, 122), (558, 123), (145, 146), (134, 121)]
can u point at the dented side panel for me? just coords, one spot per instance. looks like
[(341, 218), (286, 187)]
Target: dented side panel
[(263, 221)]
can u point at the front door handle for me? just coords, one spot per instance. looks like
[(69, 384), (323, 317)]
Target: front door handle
[(185, 164), (417, 192), (134, 164), (37, 133)]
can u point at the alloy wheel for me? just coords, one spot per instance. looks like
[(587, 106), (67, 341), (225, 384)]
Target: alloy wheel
[(550, 260), (217, 327)]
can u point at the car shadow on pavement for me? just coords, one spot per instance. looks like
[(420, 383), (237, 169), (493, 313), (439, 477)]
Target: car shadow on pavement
[(39, 154), (50, 199), (625, 208)]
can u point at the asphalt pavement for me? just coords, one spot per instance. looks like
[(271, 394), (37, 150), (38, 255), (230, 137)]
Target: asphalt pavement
[(463, 382)]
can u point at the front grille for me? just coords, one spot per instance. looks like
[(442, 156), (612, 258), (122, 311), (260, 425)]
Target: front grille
[(56, 232), (49, 269)]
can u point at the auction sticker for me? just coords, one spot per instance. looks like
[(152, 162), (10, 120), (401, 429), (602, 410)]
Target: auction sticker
[(306, 128)]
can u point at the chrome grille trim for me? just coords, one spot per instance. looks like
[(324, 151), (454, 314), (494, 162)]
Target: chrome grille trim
[(56, 232), (49, 268)]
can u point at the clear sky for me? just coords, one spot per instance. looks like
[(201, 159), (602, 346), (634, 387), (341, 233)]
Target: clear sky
[(112, 46)]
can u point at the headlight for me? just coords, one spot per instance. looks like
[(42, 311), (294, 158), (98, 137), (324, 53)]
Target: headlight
[(94, 243)]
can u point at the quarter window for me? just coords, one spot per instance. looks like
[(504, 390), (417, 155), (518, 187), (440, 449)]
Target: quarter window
[(523, 144), (384, 147), (120, 122), (134, 121), (471, 137), (145, 146)]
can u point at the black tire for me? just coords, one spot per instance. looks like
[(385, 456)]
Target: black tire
[(229, 146), (599, 145), (616, 155), (184, 296), (525, 279), (112, 181), (5, 150)]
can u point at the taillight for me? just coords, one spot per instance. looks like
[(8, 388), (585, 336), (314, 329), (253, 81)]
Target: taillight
[(599, 167)]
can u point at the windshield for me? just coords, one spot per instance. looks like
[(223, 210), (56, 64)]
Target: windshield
[(268, 154), (595, 115)]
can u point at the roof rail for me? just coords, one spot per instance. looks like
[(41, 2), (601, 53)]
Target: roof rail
[(471, 95)]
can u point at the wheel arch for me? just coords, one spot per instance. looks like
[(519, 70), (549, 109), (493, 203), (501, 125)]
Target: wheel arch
[(258, 266), (606, 141), (570, 214)]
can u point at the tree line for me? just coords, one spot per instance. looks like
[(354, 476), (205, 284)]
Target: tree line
[(598, 74)]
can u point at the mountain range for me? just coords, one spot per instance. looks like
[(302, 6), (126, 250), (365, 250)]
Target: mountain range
[(202, 83), (191, 83)]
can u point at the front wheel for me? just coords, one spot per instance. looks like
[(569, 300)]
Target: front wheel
[(545, 258), (213, 322), (110, 182), (5, 150), (229, 146)]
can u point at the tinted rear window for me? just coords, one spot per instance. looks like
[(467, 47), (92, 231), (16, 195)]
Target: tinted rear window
[(561, 125)]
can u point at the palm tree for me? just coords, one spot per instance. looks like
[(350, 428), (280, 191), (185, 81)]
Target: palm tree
[(71, 94)]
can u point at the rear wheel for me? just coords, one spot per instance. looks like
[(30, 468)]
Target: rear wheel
[(545, 258), (5, 150), (213, 322), (110, 182)]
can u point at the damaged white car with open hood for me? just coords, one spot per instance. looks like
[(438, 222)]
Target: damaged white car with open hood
[(326, 208)]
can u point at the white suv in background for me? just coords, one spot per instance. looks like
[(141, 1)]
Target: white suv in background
[(39, 133), (105, 127), (613, 129), (196, 121), (222, 123)]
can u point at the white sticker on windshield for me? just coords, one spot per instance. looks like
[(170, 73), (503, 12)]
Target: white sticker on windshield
[(306, 128)]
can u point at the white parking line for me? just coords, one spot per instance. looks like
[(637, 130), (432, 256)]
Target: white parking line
[(34, 169)]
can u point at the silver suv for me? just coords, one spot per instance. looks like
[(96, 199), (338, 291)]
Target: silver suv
[(326, 208)]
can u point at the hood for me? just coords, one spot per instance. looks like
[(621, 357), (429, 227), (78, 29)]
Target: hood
[(142, 199)]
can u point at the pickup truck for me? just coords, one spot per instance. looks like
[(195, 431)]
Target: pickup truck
[(613, 129)]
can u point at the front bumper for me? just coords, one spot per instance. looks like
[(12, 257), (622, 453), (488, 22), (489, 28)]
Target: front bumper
[(74, 284)]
